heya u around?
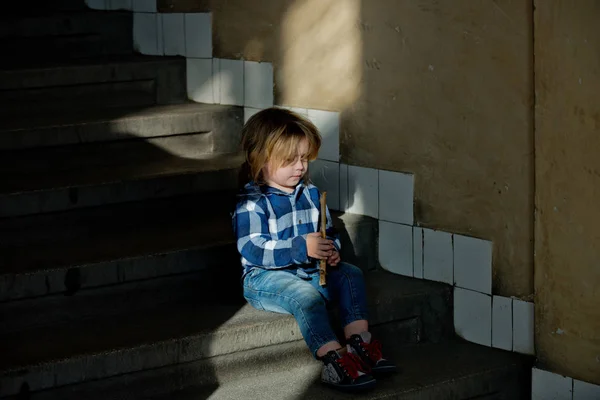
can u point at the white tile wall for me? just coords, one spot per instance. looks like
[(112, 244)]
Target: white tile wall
[(328, 123), (550, 386), (258, 84), (216, 81), (297, 110), (585, 391), (344, 192), (418, 252), (144, 5), (326, 176), (173, 34), (473, 316), (97, 4), (249, 112), (198, 35), (145, 33), (473, 263), (119, 5), (160, 37), (437, 256), (501, 322), (396, 248), (199, 80), (363, 197), (396, 196), (523, 329), (230, 81)]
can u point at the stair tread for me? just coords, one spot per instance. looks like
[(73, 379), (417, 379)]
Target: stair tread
[(108, 233), (175, 321), (39, 119), (428, 371), (99, 163)]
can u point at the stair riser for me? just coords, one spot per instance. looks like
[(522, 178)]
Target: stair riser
[(106, 85), (127, 127), (189, 280), (112, 24), (74, 198), (73, 280), (66, 47), (279, 331)]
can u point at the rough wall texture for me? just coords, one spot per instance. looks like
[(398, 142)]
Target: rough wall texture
[(440, 89), (567, 275)]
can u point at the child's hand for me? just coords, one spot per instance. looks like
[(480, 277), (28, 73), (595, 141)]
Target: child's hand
[(317, 247), (334, 259)]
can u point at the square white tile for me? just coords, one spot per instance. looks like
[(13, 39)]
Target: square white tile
[(297, 110), (199, 80), (145, 33), (501, 322), (396, 195), (249, 112), (198, 35), (396, 248), (230, 77), (144, 5), (328, 124), (344, 197), (363, 197), (173, 34), (473, 316), (473, 263), (418, 252), (258, 84), (585, 391), (216, 67), (550, 386), (120, 5), (437, 256), (326, 176), (523, 328), (97, 4)]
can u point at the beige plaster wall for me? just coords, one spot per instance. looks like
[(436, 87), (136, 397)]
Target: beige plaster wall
[(567, 275)]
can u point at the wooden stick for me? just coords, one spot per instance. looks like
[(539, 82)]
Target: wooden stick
[(323, 263)]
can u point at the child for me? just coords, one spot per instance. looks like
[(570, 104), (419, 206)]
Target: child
[(276, 222)]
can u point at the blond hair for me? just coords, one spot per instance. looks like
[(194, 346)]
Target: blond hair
[(273, 136)]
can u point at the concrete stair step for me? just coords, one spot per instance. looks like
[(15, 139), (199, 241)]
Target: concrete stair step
[(454, 370), (63, 23), (117, 81), (133, 264), (431, 371), (187, 330), (62, 47), (41, 129), (116, 232)]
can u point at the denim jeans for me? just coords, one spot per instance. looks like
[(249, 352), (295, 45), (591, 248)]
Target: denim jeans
[(292, 291)]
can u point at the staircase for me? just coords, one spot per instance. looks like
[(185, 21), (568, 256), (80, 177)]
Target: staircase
[(119, 277)]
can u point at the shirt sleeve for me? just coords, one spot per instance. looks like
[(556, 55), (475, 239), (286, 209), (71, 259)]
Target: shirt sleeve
[(256, 244)]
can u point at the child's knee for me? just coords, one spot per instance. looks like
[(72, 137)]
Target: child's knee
[(352, 271), (308, 299)]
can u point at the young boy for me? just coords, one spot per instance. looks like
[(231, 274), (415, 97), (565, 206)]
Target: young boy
[(276, 222)]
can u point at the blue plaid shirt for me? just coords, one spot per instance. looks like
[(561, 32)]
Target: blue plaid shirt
[(271, 226)]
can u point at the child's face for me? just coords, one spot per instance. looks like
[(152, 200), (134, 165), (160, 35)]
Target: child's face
[(287, 176)]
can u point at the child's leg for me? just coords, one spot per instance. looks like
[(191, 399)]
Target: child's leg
[(283, 292), (346, 285)]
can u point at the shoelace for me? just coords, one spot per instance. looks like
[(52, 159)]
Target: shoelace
[(373, 350), (350, 363)]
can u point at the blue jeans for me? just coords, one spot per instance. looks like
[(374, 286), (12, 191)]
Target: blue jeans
[(299, 294)]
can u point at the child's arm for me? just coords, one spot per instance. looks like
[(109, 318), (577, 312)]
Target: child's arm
[(255, 243)]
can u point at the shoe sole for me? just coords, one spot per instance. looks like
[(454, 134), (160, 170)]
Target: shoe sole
[(352, 388)]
